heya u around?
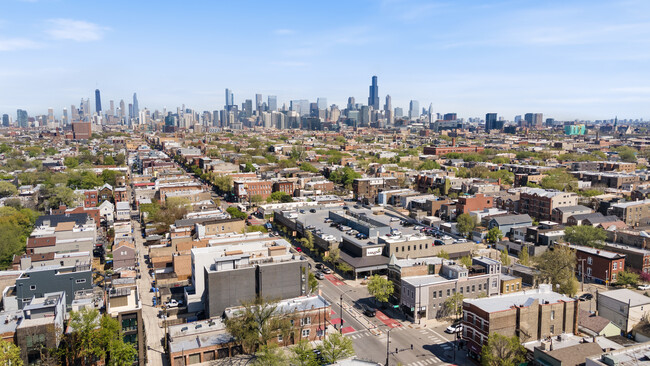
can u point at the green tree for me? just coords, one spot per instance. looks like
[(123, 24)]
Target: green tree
[(336, 347), (465, 223), (303, 355), (453, 305), (557, 267), (585, 235), (626, 278), (443, 254), (429, 165), (270, 355), (10, 354), (626, 154), (466, 260), (256, 323), (7, 189), (494, 235), (313, 283), (249, 168), (502, 351), (308, 240), (280, 196), (559, 179), (223, 183), (120, 159), (505, 258), (236, 213), (71, 162), (256, 199), (524, 258), (109, 160), (344, 267), (380, 288), (308, 167)]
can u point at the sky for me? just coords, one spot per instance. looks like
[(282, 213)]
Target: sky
[(566, 59)]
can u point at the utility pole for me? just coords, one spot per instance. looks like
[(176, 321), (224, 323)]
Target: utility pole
[(341, 304), (582, 272), (388, 345)]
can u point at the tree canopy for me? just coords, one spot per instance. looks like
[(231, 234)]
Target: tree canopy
[(380, 288), (502, 351), (585, 235), (557, 266)]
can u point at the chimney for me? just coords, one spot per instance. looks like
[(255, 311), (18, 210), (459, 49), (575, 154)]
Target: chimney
[(453, 141)]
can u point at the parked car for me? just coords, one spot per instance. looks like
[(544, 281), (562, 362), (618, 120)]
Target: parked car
[(326, 270), (320, 265), (173, 304), (644, 287), (454, 328), (369, 311), (313, 210), (319, 275), (298, 249), (586, 297)]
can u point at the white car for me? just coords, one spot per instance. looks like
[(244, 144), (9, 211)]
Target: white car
[(173, 304), (454, 328), (644, 287)]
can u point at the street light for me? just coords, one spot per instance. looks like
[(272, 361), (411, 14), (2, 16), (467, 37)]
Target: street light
[(341, 305), (388, 345)]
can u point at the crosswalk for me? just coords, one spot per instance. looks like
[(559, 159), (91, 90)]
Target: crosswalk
[(429, 361)]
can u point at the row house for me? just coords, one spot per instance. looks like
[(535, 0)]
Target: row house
[(245, 189), (600, 266)]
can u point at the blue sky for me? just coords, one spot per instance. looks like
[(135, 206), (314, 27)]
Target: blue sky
[(566, 59)]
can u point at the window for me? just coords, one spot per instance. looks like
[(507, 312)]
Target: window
[(396, 249), (32, 287), (305, 333), (507, 287), (426, 246), (613, 277), (552, 329), (473, 288), (552, 314), (448, 292), (589, 260), (461, 289), (479, 286), (409, 248), (434, 294), (440, 293), (279, 337), (467, 290)]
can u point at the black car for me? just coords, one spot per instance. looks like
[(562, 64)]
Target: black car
[(369, 311), (319, 266), (586, 297)]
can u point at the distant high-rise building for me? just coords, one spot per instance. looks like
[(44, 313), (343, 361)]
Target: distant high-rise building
[(122, 109), (98, 102), (351, 103), (230, 99), (399, 112), (492, 123), (533, 120), (517, 119), (130, 110), (5, 120), (388, 105), (64, 119), (450, 117), (258, 103), (414, 109), (136, 109), (247, 108), (273, 103), (111, 110), (373, 98), (321, 103), (21, 118), (550, 122)]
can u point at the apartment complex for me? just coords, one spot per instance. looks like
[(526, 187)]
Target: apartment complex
[(633, 213), (539, 203)]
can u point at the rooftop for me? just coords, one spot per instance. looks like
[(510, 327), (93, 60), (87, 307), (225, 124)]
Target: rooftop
[(597, 252), (626, 296), (526, 298)]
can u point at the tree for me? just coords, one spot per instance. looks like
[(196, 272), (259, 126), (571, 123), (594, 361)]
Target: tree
[(71, 162), (453, 305), (585, 235), (236, 213), (626, 154), (256, 323), (336, 347), (333, 255), (524, 258), (120, 159), (303, 355), (313, 283), (281, 197), (109, 160), (308, 240), (344, 267), (7, 189), (270, 355), (380, 288), (429, 165), (559, 179), (256, 199), (223, 183), (249, 168), (465, 223), (466, 261), (557, 267), (502, 351), (10, 354), (443, 254), (308, 167), (494, 235), (626, 278), (505, 258)]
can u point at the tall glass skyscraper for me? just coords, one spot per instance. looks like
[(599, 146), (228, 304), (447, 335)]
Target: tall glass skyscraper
[(136, 109), (230, 99), (273, 103), (373, 98), (414, 109), (98, 101)]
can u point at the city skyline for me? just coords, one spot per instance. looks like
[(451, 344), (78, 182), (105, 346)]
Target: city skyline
[(584, 60)]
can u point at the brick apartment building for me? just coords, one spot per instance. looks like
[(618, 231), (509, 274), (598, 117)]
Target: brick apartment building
[(91, 198), (635, 258), (530, 315), (633, 213), (367, 189), (443, 150), (284, 186), (477, 202), (540, 203), (245, 189), (599, 265)]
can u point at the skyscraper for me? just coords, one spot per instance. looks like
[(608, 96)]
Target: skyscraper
[(136, 109), (230, 99), (64, 119), (373, 98), (273, 103), (351, 103), (98, 102), (122, 109), (111, 110), (247, 108), (321, 103), (21, 118), (533, 119), (414, 109), (258, 103), (5, 120), (492, 123), (389, 105)]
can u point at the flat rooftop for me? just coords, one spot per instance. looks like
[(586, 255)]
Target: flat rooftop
[(523, 298)]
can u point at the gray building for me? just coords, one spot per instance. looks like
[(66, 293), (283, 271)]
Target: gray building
[(37, 282), (233, 280), (507, 222)]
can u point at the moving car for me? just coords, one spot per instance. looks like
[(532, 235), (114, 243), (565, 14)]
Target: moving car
[(454, 328), (369, 311), (319, 265), (326, 270)]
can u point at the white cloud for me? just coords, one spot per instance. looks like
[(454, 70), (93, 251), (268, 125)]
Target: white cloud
[(75, 30), (15, 44)]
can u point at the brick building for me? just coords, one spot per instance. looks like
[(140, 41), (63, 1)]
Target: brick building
[(540, 203), (245, 189), (284, 186), (635, 258), (478, 202), (599, 265), (443, 150), (91, 198), (530, 315), (367, 189), (633, 213)]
